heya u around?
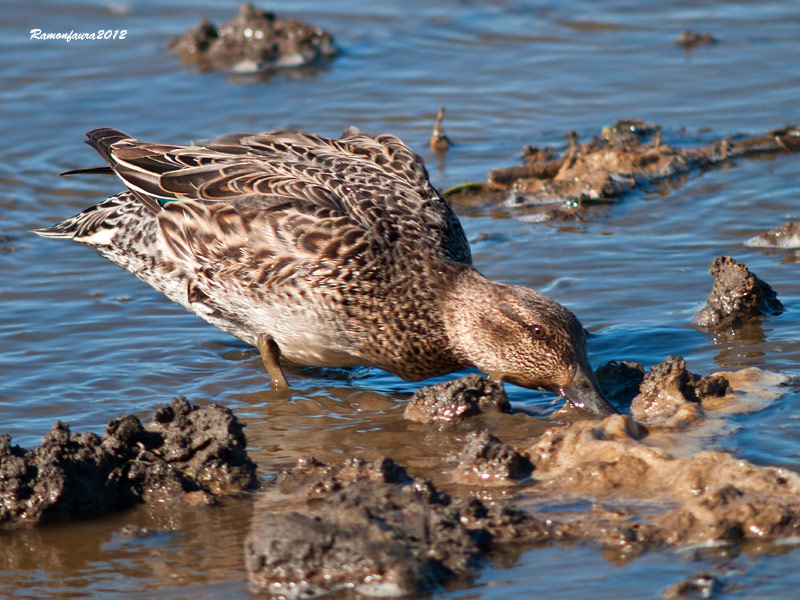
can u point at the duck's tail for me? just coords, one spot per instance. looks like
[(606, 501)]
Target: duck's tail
[(95, 226)]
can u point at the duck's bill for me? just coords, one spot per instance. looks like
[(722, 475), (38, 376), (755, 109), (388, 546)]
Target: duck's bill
[(583, 394)]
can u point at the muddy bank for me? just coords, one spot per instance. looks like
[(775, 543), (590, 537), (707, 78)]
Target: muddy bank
[(737, 295), (185, 453), (626, 484), (620, 159), (254, 41)]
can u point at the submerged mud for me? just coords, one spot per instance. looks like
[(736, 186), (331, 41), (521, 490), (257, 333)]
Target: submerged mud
[(622, 158), (254, 41), (186, 453), (736, 296)]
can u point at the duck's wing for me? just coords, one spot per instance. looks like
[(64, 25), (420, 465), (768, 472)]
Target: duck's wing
[(304, 191)]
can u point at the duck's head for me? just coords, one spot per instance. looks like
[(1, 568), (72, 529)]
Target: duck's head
[(515, 334)]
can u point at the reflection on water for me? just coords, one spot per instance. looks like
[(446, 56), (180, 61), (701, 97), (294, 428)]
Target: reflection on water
[(84, 341)]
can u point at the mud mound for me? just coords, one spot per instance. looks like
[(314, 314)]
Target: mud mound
[(254, 41), (691, 39), (736, 295), (486, 460), (312, 478), (186, 453), (786, 236), (620, 380), (375, 537), (453, 402), (670, 395)]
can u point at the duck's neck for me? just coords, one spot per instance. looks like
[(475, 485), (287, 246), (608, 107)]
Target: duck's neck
[(468, 296)]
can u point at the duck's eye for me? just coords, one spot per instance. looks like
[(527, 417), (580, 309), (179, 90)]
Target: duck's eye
[(538, 332)]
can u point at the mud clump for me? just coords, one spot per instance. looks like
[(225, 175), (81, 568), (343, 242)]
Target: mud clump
[(624, 157), (186, 453), (386, 536), (312, 478), (672, 396), (484, 459), (736, 295), (786, 236), (620, 380), (698, 585), (453, 402), (691, 39), (254, 41)]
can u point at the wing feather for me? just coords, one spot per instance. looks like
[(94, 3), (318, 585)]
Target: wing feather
[(300, 196)]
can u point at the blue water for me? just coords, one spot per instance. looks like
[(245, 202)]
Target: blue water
[(83, 341)]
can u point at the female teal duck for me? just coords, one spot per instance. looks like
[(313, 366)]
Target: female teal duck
[(325, 252)]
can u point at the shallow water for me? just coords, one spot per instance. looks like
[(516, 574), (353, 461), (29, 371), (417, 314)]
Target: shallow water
[(84, 341)]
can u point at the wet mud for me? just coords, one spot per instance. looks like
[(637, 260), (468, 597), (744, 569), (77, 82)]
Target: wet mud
[(672, 396), (185, 453), (485, 460), (453, 402), (254, 41), (707, 498), (629, 484), (620, 381), (737, 295), (620, 159), (387, 535)]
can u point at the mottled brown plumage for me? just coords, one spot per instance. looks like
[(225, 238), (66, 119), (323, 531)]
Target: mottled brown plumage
[(325, 252)]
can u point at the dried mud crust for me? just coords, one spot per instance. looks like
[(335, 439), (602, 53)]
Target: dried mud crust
[(185, 453), (623, 157), (736, 296), (254, 41)]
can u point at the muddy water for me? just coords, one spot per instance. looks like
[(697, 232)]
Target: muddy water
[(84, 341)]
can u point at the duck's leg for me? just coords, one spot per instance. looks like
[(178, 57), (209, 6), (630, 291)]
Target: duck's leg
[(271, 354)]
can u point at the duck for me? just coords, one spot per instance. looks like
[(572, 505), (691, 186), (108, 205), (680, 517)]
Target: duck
[(325, 252)]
